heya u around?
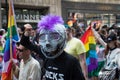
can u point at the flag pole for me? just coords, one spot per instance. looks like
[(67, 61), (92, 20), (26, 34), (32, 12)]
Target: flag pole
[(10, 29), (10, 12), (10, 47)]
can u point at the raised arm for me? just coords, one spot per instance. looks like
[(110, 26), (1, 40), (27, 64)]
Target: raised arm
[(25, 41), (98, 37)]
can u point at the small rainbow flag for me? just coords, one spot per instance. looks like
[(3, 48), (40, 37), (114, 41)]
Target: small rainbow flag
[(10, 46), (90, 45)]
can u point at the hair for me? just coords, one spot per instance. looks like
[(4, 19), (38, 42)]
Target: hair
[(2, 31), (117, 45), (48, 22), (103, 34), (78, 34), (71, 30)]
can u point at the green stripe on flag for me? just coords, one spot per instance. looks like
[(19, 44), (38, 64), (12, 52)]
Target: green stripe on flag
[(14, 31), (92, 46)]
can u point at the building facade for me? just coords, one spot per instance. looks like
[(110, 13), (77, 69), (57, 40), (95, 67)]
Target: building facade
[(29, 11), (106, 12)]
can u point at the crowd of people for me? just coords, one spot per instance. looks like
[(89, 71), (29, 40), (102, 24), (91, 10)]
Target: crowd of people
[(53, 51)]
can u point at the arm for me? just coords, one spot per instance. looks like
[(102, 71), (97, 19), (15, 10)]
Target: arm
[(97, 36), (83, 65), (26, 42), (15, 70), (77, 71), (80, 49)]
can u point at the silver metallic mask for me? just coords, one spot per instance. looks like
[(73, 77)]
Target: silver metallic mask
[(52, 42)]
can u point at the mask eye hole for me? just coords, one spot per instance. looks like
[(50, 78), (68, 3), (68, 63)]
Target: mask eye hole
[(49, 36), (42, 36), (54, 36)]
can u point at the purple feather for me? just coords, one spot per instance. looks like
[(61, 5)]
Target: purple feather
[(48, 22)]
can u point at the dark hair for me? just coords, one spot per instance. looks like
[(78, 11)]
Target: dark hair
[(71, 30), (104, 26), (18, 43), (117, 45), (78, 34)]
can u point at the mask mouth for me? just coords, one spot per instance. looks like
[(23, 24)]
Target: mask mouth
[(50, 54), (54, 53), (49, 49)]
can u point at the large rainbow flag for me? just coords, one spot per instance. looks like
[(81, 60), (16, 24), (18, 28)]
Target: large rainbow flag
[(90, 45), (10, 46)]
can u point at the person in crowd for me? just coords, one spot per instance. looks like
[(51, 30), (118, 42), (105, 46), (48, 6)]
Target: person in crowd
[(76, 48), (101, 59), (2, 32), (34, 36), (29, 68), (20, 32), (1, 64), (103, 34), (1, 45), (58, 65), (116, 29), (78, 35), (3, 35), (112, 54), (101, 39), (17, 53)]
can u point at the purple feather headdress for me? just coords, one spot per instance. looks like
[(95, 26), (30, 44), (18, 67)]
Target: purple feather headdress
[(48, 22)]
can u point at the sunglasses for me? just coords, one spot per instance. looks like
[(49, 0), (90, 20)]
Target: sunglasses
[(21, 50)]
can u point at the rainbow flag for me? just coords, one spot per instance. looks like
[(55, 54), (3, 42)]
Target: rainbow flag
[(90, 45), (10, 46)]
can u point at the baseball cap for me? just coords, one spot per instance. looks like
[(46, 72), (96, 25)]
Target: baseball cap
[(111, 37)]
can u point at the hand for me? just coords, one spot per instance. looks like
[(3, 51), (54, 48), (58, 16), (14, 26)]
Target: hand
[(15, 69), (13, 66), (28, 29), (86, 77)]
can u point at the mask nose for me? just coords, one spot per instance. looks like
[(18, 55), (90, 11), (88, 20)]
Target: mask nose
[(47, 41), (48, 45)]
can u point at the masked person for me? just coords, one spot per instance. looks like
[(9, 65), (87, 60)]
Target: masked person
[(52, 39)]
